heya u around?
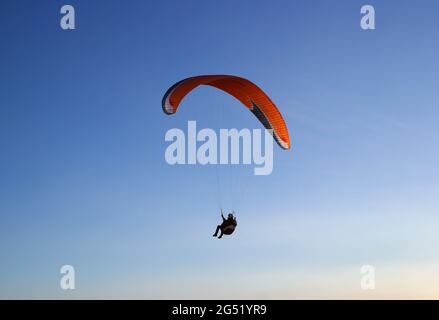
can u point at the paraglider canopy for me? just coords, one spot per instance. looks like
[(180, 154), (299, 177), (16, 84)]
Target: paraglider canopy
[(242, 89)]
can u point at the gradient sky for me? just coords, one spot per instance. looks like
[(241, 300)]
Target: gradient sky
[(83, 180)]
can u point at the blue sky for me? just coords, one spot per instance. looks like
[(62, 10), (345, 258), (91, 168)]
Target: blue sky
[(83, 179)]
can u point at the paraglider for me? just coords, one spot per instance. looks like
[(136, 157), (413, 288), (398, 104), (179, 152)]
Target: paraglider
[(249, 94), (227, 226)]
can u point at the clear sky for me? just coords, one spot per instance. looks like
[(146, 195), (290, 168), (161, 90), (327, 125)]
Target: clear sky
[(83, 180)]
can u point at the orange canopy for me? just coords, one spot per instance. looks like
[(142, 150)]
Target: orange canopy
[(242, 89)]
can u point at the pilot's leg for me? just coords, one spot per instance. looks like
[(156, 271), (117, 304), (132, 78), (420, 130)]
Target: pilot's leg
[(218, 228), (221, 234)]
